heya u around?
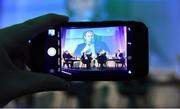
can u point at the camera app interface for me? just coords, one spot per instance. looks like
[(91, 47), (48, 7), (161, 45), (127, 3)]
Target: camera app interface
[(93, 49)]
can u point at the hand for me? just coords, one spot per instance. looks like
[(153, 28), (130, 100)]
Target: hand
[(13, 81), (86, 48)]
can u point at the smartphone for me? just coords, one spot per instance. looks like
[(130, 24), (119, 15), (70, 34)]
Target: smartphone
[(83, 51)]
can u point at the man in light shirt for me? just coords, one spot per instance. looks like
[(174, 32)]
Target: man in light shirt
[(90, 45)]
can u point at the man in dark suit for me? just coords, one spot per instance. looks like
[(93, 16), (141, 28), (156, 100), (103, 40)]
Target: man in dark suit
[(67, 56), (86, 59), (91, 44), (101, 58), (120, 57)]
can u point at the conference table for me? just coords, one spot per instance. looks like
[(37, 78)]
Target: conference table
[(73, 60)]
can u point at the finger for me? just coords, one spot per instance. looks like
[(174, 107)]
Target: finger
[(22, 32)]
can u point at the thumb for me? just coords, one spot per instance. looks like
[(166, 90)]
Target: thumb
[(23, 82), (37, 82)]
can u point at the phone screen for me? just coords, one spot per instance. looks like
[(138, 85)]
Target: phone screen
[(91, 52), (89, 49)]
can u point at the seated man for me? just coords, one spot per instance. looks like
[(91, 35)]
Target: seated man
[(101, 58), (67, 57), (121, 59), (86, 59)]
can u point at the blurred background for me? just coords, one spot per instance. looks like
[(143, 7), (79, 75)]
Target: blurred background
[(160, 89)]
